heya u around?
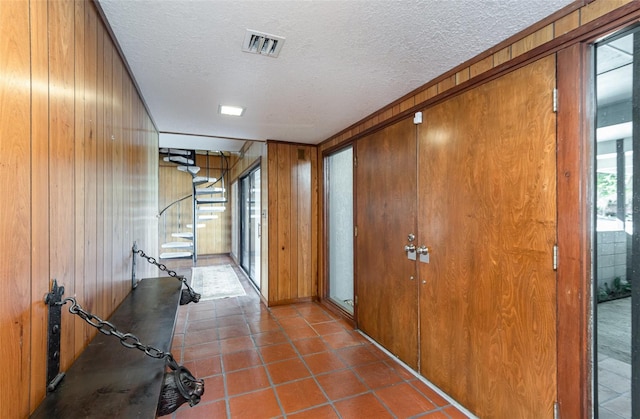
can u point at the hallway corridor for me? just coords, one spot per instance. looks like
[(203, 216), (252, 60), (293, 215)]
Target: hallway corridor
[(297, 361)]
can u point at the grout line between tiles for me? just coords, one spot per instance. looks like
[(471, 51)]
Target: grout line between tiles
[(428, 383)]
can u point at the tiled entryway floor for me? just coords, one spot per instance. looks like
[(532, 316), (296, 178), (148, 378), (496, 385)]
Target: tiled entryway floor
[(296, 361)]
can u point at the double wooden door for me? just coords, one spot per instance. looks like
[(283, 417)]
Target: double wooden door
[(476, 184)]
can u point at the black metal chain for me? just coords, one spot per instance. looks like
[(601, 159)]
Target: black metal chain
[(127, 340), (193, 296), (182, 381)]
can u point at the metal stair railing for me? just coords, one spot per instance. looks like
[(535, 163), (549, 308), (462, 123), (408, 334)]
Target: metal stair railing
[(221, 180)]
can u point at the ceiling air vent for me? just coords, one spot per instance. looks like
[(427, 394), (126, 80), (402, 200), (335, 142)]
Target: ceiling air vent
[(262, 43)]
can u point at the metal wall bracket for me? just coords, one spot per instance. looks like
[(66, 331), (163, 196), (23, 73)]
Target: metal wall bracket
[(134, 281), (54, 301)]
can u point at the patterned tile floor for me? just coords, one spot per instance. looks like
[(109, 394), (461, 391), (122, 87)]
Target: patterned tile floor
[(296, 361)]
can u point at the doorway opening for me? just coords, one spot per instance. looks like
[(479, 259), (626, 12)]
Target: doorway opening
[(617, 236)]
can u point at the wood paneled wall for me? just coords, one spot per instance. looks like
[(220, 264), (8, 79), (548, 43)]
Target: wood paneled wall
[(79, 183), (293, 222), (576, 25)]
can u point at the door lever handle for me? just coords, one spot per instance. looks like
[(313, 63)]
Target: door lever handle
[(422, 250)]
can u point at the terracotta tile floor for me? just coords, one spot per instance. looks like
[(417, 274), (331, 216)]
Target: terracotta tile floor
[(297, 361)]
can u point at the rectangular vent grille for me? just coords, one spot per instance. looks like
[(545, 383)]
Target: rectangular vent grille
[(262, 43)]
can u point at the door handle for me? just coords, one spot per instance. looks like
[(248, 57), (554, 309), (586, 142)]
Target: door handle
[(423, 252), (410, 248)]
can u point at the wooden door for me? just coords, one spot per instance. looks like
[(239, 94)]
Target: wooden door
[(487, 206), (386, 289)]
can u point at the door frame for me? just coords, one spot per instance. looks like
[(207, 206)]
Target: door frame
[(323, 274), (575, 230)]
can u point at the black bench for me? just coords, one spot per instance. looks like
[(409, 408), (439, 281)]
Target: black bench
[(111, 381)]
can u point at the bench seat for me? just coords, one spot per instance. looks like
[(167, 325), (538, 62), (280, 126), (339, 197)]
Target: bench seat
[(111, 381)]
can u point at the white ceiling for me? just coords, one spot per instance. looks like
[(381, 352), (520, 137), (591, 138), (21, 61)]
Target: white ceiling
[(341, 60)]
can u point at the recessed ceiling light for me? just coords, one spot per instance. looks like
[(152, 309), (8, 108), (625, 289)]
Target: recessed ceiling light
[(230, 110)]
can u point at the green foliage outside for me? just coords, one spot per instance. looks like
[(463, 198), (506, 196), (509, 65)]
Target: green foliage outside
[(618, 289)]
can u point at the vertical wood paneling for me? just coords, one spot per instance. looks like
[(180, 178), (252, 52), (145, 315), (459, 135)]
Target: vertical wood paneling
[(292, 243), (116, 184), (100, 297), (284, 200), (57, 105), (61, 159), (274, 223), (14, 209), (59, 63), (106, 199), (305, 191), (90, 163), (129, 172), (292, 226), (39, 196), (312, 289), (81, 326)]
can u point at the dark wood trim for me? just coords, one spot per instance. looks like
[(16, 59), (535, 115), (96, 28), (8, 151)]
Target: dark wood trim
[(574, 231), (588, 32)]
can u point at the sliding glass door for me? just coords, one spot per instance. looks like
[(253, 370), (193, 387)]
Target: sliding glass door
[(250, 227)]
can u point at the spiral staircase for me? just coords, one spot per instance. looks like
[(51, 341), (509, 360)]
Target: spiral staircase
[(208, 198)]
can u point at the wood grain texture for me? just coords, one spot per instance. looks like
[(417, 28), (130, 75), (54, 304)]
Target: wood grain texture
[(487, 200), (116, 178), (292, 228), (90, 158), (39, 199), (81, 327), (385, 179), (15, 222), (100, 305), (61, 160), (57, 102), (106, 200), (574, 221)]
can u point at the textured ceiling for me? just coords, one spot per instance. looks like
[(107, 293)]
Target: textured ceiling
[(341, 61)]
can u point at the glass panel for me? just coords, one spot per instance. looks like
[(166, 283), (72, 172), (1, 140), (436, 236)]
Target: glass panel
[(339, 186), (614, 225), (244, 224), (250, 225), (254, 220), (235, 214)]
